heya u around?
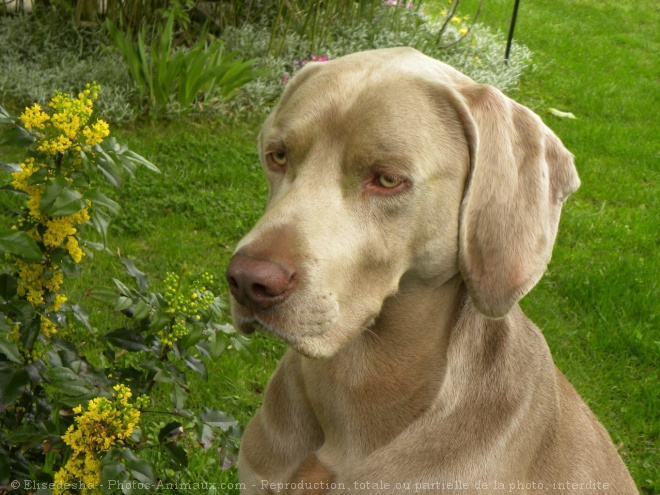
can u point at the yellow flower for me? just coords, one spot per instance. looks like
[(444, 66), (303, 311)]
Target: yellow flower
[(58, 301), (463, 31), (57, 229), (97, 133), (58, 144), (34, 117), (48, 328), (33, 203), (55, 282), (83, 467), (82, 216), (30, 282), (68, 129), (74, 249), (456, 20), (20, 182), (105, 423), (21, 177), (443, 13)]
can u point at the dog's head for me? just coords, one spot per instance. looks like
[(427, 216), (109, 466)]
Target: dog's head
[(388, 167)]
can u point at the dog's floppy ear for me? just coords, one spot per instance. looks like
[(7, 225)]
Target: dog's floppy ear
[(520, 176)]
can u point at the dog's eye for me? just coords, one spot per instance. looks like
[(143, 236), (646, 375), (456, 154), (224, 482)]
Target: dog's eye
[(388, 181), (277, 158)]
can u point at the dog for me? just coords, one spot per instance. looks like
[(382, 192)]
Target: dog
[(409, 209)]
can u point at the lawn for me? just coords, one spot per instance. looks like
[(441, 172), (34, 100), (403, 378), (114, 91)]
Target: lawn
[(598, 304)]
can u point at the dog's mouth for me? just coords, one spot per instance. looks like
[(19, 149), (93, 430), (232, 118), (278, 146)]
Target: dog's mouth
[(311, 337), (247, 327)]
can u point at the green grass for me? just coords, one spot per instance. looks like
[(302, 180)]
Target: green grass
[(598, 303)]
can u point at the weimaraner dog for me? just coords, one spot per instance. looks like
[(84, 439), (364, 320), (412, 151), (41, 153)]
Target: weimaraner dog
[(409, 209)]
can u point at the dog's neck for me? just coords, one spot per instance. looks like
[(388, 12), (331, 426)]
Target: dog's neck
[(393, 369)]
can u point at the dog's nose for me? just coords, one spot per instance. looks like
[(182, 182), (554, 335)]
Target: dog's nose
[(259, 283)]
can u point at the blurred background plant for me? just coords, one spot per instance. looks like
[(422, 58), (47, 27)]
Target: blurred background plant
[(164, 74), (193, 56)]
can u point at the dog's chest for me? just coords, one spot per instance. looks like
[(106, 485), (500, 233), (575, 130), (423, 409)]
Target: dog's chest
[(360, 411)]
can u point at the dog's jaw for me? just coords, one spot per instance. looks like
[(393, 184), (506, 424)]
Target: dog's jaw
[(312, 338)]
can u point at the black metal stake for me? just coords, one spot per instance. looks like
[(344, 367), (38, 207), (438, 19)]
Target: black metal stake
[(511, 28)]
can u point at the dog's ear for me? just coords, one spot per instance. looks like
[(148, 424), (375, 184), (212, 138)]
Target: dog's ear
[(520, 176)]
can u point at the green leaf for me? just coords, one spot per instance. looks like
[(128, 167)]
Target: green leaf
[(8, 286), (22, 309), (100, 199), (24, 435), (109, 169), (159, 320), (138, 159), (101, 222), (217, 419), (170, 432), (20, 244), (6, 118), (98, 246), (70, 268), (122, 303), (68, 382), (10, 350), (140, 277), (127, 338), (103, 294), (81, 315), (197, 365), (245, 350), (29, 331), (218, 342), (112, 474), (142, 310), (60, 201), (123, 289), (12, 384), (191, 338), (141, 470), (177, 455), (16, 136), (205, 435), (169, 373), (10, 167), (178, 396)]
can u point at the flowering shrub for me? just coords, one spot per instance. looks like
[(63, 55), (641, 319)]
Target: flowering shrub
[(45, 379), (44, 241), (105, 423)]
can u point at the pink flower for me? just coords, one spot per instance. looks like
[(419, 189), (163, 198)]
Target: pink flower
[(298, 64), (409, 5)]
